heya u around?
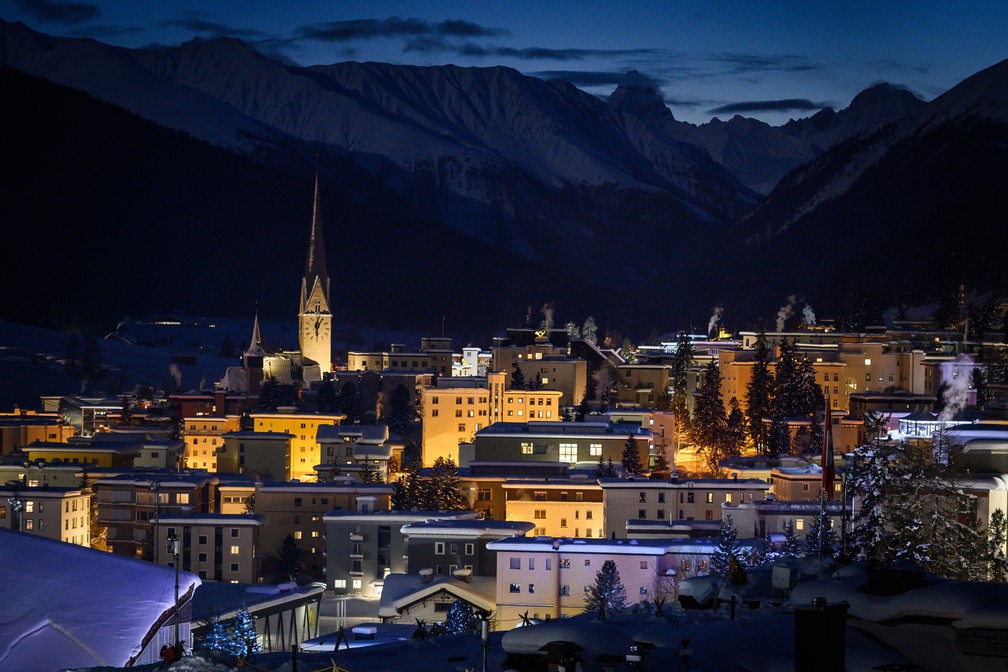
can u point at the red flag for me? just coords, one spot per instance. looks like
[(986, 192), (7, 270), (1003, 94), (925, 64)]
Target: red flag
[(828, 470)]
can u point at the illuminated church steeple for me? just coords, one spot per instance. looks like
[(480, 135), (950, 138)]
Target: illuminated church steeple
[(315, 316)]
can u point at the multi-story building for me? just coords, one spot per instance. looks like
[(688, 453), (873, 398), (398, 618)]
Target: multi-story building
[(435, 354), (259, 454), (455, 414), (363, 547), (62, 514), (661, 424), (567, 375), (640, 499), (109, 450), (759, 519), (444, 546), (219, 403), (298, 509), (203, 436), (346, 448), (216, 547), (303, 428), (548, 578), (128, 503), (375, 388), (557, 507), (568, 442), (20, 428)]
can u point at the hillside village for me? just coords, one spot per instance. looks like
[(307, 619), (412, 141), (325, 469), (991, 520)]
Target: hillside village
[(504, 477)]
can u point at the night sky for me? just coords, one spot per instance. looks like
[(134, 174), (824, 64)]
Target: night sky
[(770, 60)]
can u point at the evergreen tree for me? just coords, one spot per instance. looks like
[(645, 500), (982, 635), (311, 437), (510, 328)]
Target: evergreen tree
[(757, 555), (604, 470), (582, 410), (287, 565), (682, 360), (369, 474), (759, 393), (727, 547), (663, 401), (820, 542), (517, 377), (607, 594), (217, 638), (997, 562), (401, 414), (349, 402), (589, 331), (779, 437), (631, 457), (809, 398), (461, 619), (445, 486), (661, 465), (573, 332), (787, 382), (791, 547), (735, 434), (710, 425), (244, 639)]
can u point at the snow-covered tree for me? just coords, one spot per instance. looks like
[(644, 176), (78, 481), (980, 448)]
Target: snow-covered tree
[(759, 393), (243, 637), (605, 469), (573, 332), (997, 563), (607, 594), (727, 547), (369, 473), (445, 486), (589, 331), (461, 618), (820, 542), (678, 381), (792, 547), (710, 424)]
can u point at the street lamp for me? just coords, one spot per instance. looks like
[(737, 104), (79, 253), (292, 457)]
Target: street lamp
[(154, 487), (17, 506), (173, 550)]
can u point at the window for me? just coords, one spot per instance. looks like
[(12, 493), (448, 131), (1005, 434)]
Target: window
[(710, 497), (661, 497), (439, 548), (483, 494), (727, 497), (515, 588), (29, 507), (434, 413), (297, 534), (804, 487), (800, 524), (587, 562), (660, 515), (526, 448), (461, 426), (515, 563), (234, 566), (539, 514), (182, 498), (595, 449), (568, 452), (563, 522), (202, 540), (41, 524), (565, 563), (539, 496), (549, 564), (564, 590), (641, 514), (643, 564), (234, 532), (709, 515), (689, 497), (642, 497), (531, 564), (531, 588), (588, 515), (234, 550), (579, 496), (297, 501), (356, 584), (29, 524), (470, 549), (643, 591), (202, 557)]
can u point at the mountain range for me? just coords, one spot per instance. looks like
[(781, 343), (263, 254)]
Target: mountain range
[(471, 193)]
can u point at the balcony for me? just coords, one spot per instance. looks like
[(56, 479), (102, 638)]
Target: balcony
[(356, 556), (356, 537)]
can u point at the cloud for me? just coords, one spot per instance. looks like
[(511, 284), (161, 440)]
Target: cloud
[(595, 77), (786, 105), (394, 26), (197, 22), (739, 63), (547, 53), (59, 12)]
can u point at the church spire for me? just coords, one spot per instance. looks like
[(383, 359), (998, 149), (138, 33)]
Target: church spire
[(315, 265), (255, 346)]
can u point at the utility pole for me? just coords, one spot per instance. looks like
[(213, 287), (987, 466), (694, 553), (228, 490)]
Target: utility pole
[(173, 548)]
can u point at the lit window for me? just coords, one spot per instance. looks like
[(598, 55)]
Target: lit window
[(234, 550)]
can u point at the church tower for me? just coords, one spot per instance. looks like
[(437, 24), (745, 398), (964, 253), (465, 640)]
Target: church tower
[(252, 361), (315, 316)]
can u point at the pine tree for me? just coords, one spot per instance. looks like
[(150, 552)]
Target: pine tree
[(791, 547), (710, 424), (631, 457), (326, 398), (727, 547), (787, 382), (445, 486), (679, 382), (573, 332), (217, 638), (517, 377), (997, 562), (604, 470), (661, 464), (287, 565), (461, 619), (244, 640), (589, 331), (779, 437), (607, 594), (735, 433), (759, 393), (870, 480), (369, 473), (820, 542)]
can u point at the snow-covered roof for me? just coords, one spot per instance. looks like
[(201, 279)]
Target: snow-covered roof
[(65, 606), (414, 515), (402, 590), (375, 434), (226, 599), (467, 528)]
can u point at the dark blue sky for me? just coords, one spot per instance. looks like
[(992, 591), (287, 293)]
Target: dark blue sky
[(771, 60)]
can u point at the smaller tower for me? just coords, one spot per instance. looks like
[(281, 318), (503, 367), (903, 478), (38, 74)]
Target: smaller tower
[(314, 316), (252, 361)]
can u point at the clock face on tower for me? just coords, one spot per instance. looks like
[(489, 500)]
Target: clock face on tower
[(315, 328)]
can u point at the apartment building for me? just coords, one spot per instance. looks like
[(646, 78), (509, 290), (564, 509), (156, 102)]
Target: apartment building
[(434, 354), (568, 442), (61, 514), (259, 454), (557, 507), (302, 428), (214, 546), (204, 436), (21, 428), (444, 546)]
